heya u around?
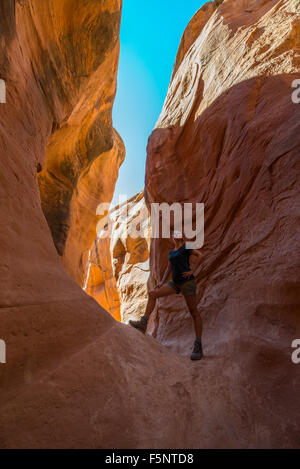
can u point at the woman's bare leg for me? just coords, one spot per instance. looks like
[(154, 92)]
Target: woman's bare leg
[(165, 290), (191, 302), (141, 325)]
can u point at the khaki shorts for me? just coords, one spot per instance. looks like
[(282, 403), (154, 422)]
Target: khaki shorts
[(188, 288)]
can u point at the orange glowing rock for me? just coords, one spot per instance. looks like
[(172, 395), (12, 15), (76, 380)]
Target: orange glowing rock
[(76, 378), (118, 267)]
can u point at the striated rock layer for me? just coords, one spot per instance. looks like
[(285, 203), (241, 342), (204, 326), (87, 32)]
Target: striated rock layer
[(75, 62), (100, 282), (118, 267), (76, 378), (229, 136)]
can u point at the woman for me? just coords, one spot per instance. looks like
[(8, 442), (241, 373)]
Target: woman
[(183, 281)]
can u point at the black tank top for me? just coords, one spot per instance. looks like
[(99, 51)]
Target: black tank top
[(180, 263)]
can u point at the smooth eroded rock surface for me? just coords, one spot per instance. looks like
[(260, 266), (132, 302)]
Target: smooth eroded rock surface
[(100, 282), (74, 377), (75, 63), (229, 136), (118, 267)]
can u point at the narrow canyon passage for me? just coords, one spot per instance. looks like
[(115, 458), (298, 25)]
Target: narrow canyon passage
[(228, 136)]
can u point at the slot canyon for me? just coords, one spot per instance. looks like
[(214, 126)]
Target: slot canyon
[(77, 376)]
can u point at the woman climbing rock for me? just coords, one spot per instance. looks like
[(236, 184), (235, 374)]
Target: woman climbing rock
[(183, 281)]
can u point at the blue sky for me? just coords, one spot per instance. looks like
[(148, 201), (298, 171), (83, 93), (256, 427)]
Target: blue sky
[(150, 37)]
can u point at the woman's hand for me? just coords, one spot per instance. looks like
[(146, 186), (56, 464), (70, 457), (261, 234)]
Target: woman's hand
[(187, 274)]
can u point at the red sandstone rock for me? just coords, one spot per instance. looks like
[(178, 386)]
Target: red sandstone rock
[(229, 137), (193, 30), (229, 134), (77, 74), (118, 268), (100, 282), (75, 377)]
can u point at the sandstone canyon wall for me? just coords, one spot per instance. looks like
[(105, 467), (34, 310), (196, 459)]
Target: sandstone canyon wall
[(100, 282), (229, 134), (118, 267), (77, 74), (74, 377)]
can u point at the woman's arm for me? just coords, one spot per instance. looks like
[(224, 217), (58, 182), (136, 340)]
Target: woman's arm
[(197, 255)]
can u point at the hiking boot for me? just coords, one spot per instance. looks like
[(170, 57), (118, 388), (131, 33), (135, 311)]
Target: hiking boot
[(140, 325), (197, 352)]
